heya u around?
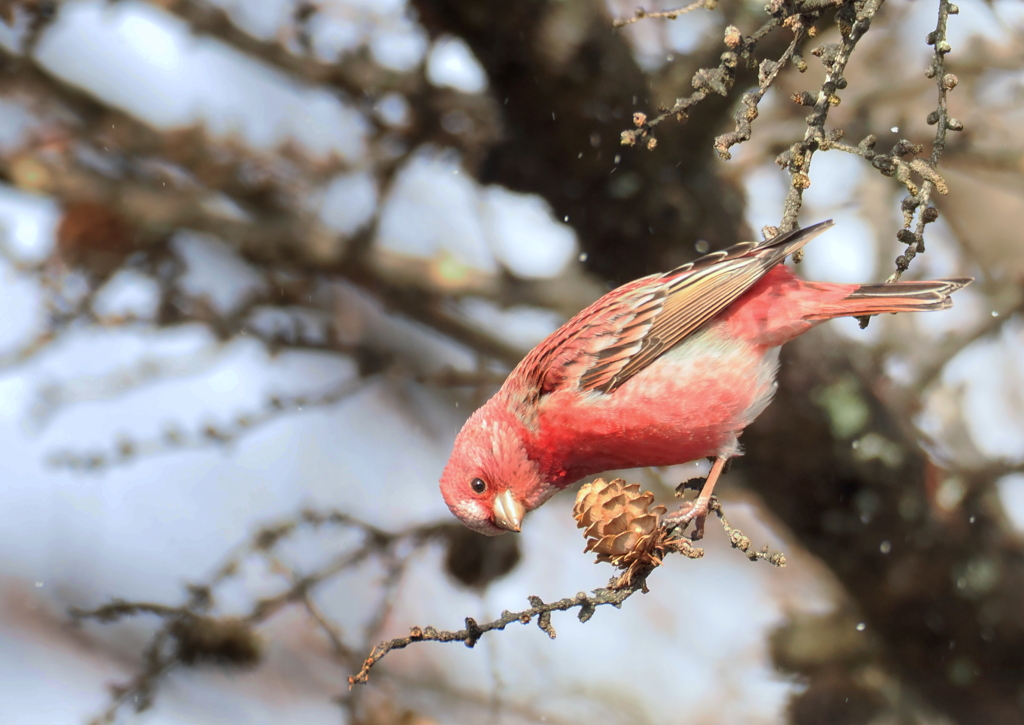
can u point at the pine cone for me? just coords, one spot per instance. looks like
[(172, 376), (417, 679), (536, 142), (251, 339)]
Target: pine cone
[(620, 525)]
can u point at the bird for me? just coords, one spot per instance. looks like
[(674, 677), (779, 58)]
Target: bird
[(666, 369)]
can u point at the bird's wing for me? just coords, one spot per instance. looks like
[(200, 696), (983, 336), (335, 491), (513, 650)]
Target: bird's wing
[(630, 327)]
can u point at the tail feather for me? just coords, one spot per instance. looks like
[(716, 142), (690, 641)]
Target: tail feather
[(877, 299)]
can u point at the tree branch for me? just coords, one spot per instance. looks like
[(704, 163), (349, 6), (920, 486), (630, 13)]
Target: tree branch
[(621, 588), (471, 634), (797, 159), (944, 82)]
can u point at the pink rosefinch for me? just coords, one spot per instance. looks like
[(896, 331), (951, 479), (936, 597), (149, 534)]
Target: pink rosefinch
[(664, 370)]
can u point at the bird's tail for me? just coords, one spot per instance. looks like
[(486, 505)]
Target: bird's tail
[(877, 299)]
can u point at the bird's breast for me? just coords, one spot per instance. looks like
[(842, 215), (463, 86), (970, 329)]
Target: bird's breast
[(689, 403)]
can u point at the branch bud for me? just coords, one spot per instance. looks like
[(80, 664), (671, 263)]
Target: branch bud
[(803, 98), (733, 37)]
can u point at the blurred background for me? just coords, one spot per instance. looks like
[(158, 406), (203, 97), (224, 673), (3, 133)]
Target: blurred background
[(261, 259)]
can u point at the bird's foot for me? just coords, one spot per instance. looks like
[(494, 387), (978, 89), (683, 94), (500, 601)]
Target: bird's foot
[(696, 511)]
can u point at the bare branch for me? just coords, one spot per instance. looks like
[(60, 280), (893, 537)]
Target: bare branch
[(892, 163), (666, 539), (640, 13), (211, 434), (355, 75), (944, 82), (118, 609), (190, 635), (947, 349), (835, 58), (706, 81), (332, 630), (471, 634), (744, 117)]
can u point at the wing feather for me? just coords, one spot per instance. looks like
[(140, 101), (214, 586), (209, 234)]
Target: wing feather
[(630, 327)]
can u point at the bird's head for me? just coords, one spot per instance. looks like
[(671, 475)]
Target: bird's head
[(490, 481)]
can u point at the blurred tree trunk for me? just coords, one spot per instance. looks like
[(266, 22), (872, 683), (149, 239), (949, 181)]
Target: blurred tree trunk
[(568, 86), (947, 600)]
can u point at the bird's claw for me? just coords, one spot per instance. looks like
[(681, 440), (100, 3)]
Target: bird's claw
[(695, 511)]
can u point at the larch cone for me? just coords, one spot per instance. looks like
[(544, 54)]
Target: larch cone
[(620, 525)]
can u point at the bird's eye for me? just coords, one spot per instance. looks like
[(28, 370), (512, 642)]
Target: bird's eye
[(478, 485)]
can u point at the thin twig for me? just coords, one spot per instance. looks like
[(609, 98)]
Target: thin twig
[(745, 115), (332, 630), (640, 13), (740, 541), (470, 635), (835, 58), (706, 81), (129, 449), (621, 588), (944, 82), (948, 348), (190, 635)]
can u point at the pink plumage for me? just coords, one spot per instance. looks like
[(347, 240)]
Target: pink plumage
[(663, 370)]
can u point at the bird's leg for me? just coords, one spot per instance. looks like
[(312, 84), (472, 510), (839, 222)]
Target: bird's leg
[(698, 510)]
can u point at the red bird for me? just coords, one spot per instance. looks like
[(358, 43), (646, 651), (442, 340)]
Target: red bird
[(664, 370)]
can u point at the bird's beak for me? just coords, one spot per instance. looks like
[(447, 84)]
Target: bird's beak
[(508, 511)]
